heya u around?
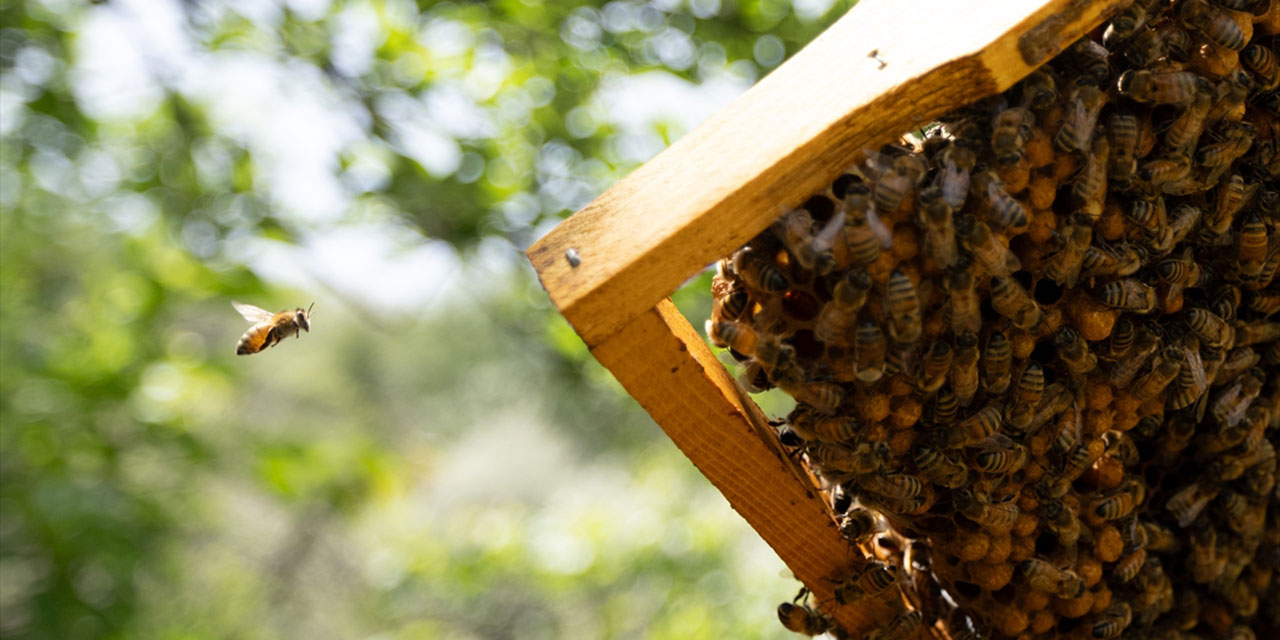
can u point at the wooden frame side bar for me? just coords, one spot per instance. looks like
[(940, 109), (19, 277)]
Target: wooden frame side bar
[(666, 366), (886, 67)]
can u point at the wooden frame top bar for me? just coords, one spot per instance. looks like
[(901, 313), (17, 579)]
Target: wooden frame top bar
[(788, 137)]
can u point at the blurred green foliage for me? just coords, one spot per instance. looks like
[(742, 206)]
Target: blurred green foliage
[(469, 472)]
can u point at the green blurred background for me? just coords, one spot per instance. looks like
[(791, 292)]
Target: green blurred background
[(439, 457)]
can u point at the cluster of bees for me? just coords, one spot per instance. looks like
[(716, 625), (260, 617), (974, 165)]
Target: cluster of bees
[(1034, 353)]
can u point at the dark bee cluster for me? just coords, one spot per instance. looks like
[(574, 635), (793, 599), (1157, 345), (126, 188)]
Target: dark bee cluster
[(1034, 354)]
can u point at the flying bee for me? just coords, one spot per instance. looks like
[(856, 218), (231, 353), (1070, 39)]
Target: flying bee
[(900, 179), (269, 329), (1090, 186), (1076, 133), (1064, 266), (1154, 382), (1264, 65), (847, 298), (870, 352), (903, 308), (861, 242), (1013, 302), (1186, 129), (993, 516), (1217, 26), (1112, 621), (964, 368), (1073, 352), (963, 300), (1161, 87), (872, 581), (1127, 295), (1005, 210), (997, 359), (759, 271), (953, 179), (998, 455), (1123, 371), (986, 246), (1043, 576), (939, 233), (971, 430), (936, 467), (935, 367), (1010, 131), (799, 618)]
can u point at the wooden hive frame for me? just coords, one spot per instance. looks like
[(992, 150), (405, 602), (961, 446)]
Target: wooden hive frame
[(886, 67)]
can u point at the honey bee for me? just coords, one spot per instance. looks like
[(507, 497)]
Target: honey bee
[(940, 236), (738, 336), (1192, 380), (842, 462), (1186, 129), (1256, 332), (985, 246), (1073, 352), (1182, 220), (1121, 339), (1115, 506), (1100, 260), (1205, 561), (964, 369), (1180, 273), (1169, 169), (1160, 539), (759, 272), (953, 179), (1043, 576), (971, 430), (1090, 186), (901, 178), (1112, 621), (1231, 403), (754, 378), (1062, 521), (269, 329), (1005, 211), (822, 395), (1210, 329), (937, 468), (1265, 303), (1149, 214), (732, 304), (903, 626), (799, 618), (857, 525), (1229, 96), (1056, 400), (1263, 63), (1123, 371), (795, 230), (870, 352), (1154, 382), (812, 425), (894, 486), (1126, 295), (1039, 90), (1251, 249), (1188, 502), (847, 298), (1237, 362), (935, 367), (996, 363), (861, 242), (1080, 458), (1236, 141), (1168, 39), (998, 454), (1161, 87), (1127, 22), (873, 580), (1064, 266), (963, 308), (1087, 60), (903, 308), (945, 406), (1122, 131), (1216, 25), (1013, 302), (1010, 131), (1076, 133), (993, 516)]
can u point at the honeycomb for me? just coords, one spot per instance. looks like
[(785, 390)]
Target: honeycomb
[(1033, 352)]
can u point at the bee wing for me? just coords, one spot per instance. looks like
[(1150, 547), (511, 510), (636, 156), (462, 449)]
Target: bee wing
[(883, 234), (995, 442), (251, 313), (1197, 369)]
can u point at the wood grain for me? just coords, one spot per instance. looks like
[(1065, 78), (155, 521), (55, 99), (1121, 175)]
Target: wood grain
[(787, 138), (665, 365)]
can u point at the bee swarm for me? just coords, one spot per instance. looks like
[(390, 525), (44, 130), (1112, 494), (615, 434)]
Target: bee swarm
[(1033, 355)]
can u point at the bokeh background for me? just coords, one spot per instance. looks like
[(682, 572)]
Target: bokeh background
[(440, 457)]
